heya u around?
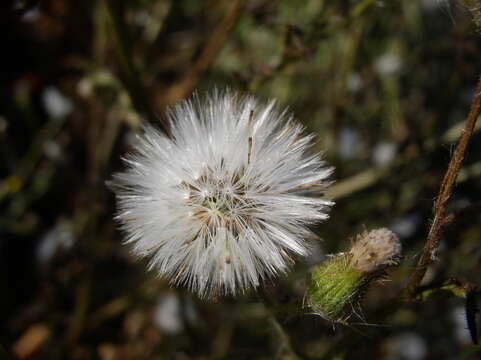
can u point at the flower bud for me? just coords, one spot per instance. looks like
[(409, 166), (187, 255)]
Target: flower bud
[(338, 284)]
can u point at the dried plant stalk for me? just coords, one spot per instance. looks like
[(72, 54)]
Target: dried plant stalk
[(440, 217)]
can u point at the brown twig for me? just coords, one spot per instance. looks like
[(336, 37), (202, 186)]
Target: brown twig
[(184, 86), (440, 217)]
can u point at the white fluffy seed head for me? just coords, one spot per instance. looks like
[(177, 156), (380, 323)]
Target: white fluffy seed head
[(227, 199), (375, 250)]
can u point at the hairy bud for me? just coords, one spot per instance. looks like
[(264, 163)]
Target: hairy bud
[(338, 284), (375, 250)]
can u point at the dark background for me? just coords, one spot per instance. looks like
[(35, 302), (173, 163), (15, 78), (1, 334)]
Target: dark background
[(385, 85)]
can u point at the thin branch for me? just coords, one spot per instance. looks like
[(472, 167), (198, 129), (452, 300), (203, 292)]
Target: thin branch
[(445, 191), (182, 88), (276, 315), (129, 75), (285, 352)]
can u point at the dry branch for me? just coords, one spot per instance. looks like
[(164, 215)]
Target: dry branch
[(440, 217), (188, 82)]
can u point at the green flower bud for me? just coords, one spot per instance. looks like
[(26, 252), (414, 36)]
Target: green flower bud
[(337, 285)]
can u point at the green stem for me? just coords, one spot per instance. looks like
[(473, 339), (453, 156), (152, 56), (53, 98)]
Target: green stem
[(277, 314)]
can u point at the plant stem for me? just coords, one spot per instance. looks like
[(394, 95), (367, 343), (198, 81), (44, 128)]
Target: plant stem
[(190, 79), (441, 219), (276, 314), (285, 352)]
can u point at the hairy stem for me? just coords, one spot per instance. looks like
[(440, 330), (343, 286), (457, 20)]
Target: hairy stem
[(440, 217)]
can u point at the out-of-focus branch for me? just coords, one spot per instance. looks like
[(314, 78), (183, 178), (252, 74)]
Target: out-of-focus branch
[(190, 79), (440, 217), (366, 178), (359, 9), (285, 351), (129, 76), (277, 315)]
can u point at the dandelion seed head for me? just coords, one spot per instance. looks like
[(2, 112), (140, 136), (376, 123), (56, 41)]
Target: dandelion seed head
[(227, 199)]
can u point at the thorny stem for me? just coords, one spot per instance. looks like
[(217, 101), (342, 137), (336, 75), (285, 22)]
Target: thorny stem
[(440, 217)]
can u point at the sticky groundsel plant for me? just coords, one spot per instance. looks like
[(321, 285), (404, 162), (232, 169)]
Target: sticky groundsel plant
[(227, 200)]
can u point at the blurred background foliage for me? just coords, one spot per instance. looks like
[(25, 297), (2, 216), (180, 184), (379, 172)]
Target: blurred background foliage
[(385, 85)]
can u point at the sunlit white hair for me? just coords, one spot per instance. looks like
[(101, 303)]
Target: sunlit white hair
[(227, 199)]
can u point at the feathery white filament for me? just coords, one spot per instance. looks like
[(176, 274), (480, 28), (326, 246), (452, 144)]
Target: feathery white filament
[(227, 199)]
